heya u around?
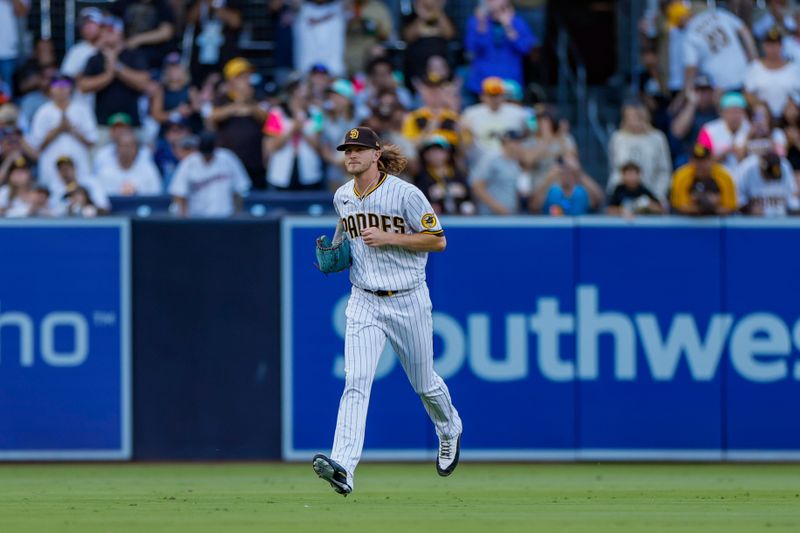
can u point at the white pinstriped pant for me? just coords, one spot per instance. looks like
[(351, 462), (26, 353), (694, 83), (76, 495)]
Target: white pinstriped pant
[(405, 320)]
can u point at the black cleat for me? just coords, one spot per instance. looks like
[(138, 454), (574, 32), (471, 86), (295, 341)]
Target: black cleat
[(447, 461), (333, 473)]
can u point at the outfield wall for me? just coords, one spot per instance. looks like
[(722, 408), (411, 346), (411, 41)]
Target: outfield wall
[(583, 339), (589, 339)]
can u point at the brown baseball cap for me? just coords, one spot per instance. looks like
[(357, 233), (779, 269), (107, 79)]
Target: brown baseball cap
[(360, 137)]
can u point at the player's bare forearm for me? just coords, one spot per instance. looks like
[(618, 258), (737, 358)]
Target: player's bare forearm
[(413, 242)]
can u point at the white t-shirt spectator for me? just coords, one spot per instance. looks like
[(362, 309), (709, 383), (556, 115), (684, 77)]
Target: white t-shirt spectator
[(9, 34), (487, 126), (74, 64), (650, 151), (17, 207), (281, 162), (97, 194), (712, 45), (319, 32), (107, 154), (48, 117), (772, 86), (720, 139), (775, 197), (209, 187), (142, 178)]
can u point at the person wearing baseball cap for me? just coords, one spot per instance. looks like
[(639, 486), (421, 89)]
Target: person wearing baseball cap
[(720, 136), (70, 179), (238, 119), (703, 186), (78, 55), (766, 186), (772, 78), (436, 108), (482, 124)]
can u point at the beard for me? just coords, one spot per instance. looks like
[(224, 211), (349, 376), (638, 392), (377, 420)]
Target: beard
[(357, 167)]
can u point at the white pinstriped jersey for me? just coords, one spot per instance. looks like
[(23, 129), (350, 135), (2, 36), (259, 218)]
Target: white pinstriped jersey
[(392, 205)]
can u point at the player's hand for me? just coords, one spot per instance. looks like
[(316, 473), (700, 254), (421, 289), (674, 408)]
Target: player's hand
[(376, 237)]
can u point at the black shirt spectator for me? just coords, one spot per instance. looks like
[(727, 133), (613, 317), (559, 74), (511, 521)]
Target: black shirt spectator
[(117, 76), (150, 27), (427, 32)]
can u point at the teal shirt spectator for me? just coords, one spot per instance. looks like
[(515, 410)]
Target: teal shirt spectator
[(558, 203)]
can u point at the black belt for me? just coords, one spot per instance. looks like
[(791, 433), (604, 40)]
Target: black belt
[(382, 293)]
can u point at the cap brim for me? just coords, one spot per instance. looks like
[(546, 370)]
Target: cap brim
[(343, 147)]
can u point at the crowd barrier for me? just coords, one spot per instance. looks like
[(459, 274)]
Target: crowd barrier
[(571, 339)]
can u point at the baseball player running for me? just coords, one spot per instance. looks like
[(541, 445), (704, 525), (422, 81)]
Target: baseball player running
[(391, 227)]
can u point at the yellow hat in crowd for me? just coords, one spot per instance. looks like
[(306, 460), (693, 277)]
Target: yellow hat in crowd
[(235, 67), (677, 12)]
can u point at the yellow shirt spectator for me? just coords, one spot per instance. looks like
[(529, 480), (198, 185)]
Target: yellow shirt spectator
[(703, 187)]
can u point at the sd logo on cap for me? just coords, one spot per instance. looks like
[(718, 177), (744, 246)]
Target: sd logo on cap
[(363, 137)]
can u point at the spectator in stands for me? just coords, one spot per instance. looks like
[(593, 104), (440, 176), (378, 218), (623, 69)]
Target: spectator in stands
[(434, 116), (210, 182), (695, 108), (766, 186), (777, 15), (127, 174), (117, 76), (386, 116), (703, 186), (12, 142), (238, 118), (439, 178), (772, 78), (150, 27), (636, 140), (319, 81), (175, 99), (292, 143), (723, 135), (166, 155), (281, 14), (678, 15), (381, 78), (34, 87), (10, 11), (494, 180), (215, 39), (791, 126), (631, 197), (719, 45), (483, 124), (369, 24), (78, 55), (339, 117), (567, 191), (62, 127), (16, 183), (93, 195), (427, 32), (551, 141), (118, 125), (499, 40), (319, 35), (763, 136)]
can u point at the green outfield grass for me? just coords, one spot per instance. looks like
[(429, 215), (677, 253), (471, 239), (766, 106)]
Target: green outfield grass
[(403, 497)]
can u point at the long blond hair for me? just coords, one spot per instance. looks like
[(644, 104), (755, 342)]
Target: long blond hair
[(392, 159)]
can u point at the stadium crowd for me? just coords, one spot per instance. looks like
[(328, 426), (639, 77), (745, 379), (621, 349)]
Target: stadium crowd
[(714, 128)]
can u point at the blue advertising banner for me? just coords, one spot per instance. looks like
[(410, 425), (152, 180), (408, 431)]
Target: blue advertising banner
[(64, 340), (588, 338)]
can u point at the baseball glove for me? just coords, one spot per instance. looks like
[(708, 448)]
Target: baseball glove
[(333, 256)]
